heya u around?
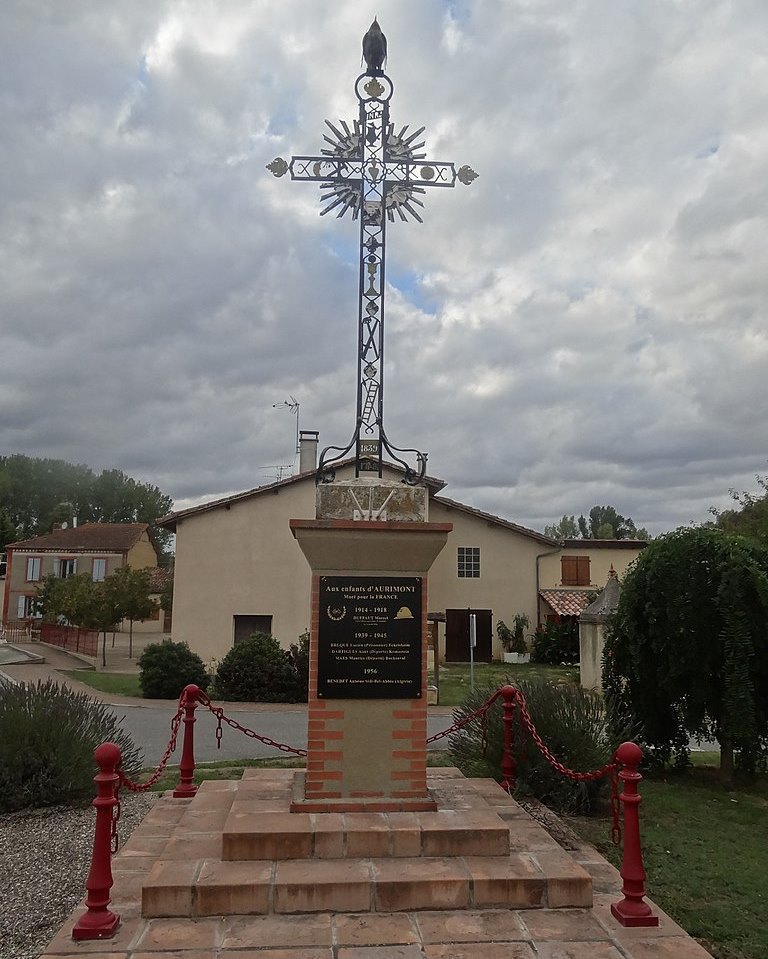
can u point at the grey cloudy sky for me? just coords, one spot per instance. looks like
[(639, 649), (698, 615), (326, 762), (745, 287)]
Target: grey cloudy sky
[(586, 323)]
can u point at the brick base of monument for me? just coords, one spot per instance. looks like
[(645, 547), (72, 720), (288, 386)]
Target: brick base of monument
[(365, 754), (237, 850)]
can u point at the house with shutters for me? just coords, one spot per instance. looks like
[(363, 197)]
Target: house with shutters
[(94, 548), (238, 569), (570, 577)]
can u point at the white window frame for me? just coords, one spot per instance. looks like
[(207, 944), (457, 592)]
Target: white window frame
[(34, 564), (468, 562), (25, 608), (103, 561), (57, 566)]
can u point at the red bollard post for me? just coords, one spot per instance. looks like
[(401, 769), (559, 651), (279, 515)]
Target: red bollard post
[(508, 765), (186, 788), (99, 922), (632, 910)]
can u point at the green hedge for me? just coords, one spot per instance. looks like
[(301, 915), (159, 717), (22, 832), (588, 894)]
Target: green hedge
[(259, 670), (167, 667)]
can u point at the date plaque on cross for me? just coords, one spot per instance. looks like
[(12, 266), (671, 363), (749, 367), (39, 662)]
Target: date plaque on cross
[(375, 173)]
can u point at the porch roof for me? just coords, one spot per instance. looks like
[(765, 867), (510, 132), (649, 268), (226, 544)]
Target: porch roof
[(565, 602)]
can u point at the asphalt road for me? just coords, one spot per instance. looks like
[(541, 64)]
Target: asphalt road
[(150, 727)]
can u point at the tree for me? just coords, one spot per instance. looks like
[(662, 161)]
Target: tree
[(751, 519), (166, 596), (7, 529), (104, 612), (567, 528), (686, 651), (130, 589), (81, 602), (35, 493), (603, 523)]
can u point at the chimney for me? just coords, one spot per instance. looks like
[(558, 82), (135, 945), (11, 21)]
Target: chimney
[(308, 451)]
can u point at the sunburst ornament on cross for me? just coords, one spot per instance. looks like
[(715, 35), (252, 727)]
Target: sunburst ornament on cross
[(374, 173)]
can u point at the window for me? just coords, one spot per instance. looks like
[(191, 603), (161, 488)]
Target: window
[(245, 626), (99, 570), (27, 607), (469, 562), (3, 564), (574, 570), (64, 567), (33, 569)]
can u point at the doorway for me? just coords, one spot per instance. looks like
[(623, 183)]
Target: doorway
[(457, 635)]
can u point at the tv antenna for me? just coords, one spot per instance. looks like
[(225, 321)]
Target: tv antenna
[(293, 405)]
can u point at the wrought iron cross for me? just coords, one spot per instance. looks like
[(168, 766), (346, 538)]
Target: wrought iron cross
[(375, 173)]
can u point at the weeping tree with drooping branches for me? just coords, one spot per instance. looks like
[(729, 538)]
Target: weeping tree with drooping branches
[(686, 651)]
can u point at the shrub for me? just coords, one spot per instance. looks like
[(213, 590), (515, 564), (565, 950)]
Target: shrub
[(574, 724), (299, 657), (258, 670), (167, 667), (557, 643), (48, 734)]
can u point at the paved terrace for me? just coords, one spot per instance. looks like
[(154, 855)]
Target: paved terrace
[(174, 860)]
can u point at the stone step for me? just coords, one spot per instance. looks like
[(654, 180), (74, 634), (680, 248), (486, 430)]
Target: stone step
[(249, 835), (212, 887)]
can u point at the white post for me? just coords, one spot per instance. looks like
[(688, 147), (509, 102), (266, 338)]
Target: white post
[(472, 644)]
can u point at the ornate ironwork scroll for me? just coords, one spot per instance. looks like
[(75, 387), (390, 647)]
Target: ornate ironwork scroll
[(376, 174)]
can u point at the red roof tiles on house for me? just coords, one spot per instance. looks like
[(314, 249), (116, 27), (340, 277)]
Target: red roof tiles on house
[(566, 602), (90, 537)]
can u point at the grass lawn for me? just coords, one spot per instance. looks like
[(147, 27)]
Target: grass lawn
[(121, 684), (705, 856), (454, 677)]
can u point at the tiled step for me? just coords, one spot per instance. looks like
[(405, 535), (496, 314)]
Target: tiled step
[(214, 887), (450, 832)]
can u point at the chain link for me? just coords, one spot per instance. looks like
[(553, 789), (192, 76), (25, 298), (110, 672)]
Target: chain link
[(615, 806), (477, 714), (218, 712), (113, 834), (160, 768), (526, 725)]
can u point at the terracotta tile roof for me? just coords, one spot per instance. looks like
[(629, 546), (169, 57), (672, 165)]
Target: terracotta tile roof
[(90, 537), (604, 543), (495, 520), (158, 578), (566, 602)]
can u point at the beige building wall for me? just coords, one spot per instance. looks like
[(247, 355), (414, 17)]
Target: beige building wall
[(601, 558), (242, 560), (142, 554), (17, 584), (507, 583)]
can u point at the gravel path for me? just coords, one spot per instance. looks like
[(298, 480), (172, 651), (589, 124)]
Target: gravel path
[(44, 861)]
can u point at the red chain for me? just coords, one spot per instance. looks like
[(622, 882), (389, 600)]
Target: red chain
[(218, 712), (609, 769), (615, 806), (160, 768), (558, 766), (115, 839), (477, 714)]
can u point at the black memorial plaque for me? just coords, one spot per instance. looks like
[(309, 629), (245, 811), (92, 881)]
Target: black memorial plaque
[(369, 637)]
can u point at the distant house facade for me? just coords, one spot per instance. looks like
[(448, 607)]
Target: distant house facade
[(94, 548), (570, 576), (238, 570)]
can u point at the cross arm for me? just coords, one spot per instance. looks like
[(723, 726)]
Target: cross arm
[(318, 168)]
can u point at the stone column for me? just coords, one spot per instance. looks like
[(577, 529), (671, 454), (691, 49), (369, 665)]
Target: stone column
[(592, 632), (370, 550)]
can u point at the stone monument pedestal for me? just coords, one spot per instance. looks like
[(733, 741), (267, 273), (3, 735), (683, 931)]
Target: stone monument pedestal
[(367, 710)]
